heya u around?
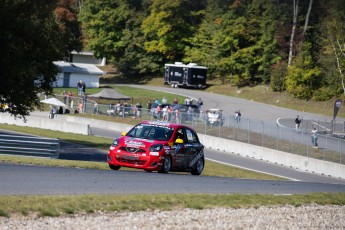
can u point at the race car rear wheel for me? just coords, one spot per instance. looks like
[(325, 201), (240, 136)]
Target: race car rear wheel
[(166, 165), (199, 166), (114, 167)]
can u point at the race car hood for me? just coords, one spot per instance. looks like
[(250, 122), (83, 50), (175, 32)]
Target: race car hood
[(138, 142)]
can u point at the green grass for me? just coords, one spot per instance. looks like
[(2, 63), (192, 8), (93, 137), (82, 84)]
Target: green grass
[(45, 205)]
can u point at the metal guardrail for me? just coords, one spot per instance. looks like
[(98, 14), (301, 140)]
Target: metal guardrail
[(29, 146)]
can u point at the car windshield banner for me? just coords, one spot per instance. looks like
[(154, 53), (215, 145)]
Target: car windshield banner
[(337, 105)]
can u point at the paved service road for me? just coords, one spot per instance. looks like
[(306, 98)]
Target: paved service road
[(249, 109)]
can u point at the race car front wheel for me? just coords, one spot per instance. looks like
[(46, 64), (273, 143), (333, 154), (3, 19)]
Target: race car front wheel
[(166, 165), (199, 166), (114, 167)]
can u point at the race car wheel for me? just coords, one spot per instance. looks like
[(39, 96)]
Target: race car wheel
[(199, 166), (166, 165), (114, 167)]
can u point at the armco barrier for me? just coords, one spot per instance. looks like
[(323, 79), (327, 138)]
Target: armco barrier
[(29, 146)]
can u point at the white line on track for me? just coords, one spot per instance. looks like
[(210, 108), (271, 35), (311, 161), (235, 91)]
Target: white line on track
[(289, 178)]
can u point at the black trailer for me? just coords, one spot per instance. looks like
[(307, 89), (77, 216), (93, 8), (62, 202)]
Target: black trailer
[(182, 75)]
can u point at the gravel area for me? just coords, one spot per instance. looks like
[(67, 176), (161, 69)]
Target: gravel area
[(276, 217)]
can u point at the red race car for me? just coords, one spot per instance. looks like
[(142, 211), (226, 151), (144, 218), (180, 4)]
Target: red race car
[(158, 146)]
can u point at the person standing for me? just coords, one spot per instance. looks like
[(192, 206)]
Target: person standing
[(238, 116), (139, 110), (298, 122), (164, 100), (83, 87), (70, 98), (84, 99), (64, 94), (149, 106), (314, 137), (95, 108), (200, 103), (80, 87)]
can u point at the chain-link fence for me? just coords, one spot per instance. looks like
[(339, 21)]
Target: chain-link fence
[(280, 136)]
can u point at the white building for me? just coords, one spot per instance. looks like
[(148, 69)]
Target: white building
[(87, 57), (72, 73)]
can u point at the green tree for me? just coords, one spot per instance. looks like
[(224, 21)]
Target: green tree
[(247, 44), (112, 30), (30, 40), (169, 26), (203, 46), (104, 22), (66, 15), (303, 77), (330, 35)]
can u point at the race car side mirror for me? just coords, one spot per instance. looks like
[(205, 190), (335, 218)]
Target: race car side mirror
[(123, 133), (179, 141)]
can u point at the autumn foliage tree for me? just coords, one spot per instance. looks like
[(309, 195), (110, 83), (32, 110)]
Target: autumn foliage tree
[(33, 34)]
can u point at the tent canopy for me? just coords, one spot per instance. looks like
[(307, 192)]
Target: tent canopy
[(111, 94), (53, 101)]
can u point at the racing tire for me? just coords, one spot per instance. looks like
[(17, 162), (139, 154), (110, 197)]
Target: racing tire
[(198, 167), (166, 165), (114, 167)]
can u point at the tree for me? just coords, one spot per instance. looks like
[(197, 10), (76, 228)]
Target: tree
[(66, 16), (294, 25), (203, 47), (303, 77), (168, 27), (331, 40), (30, 41)]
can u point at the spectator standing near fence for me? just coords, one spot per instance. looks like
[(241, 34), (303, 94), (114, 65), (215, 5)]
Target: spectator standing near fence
[(149, 106), (71, 107), (83, 87), (95, 108), (298, 122), (238, 116), (70, 98), (187, 101), (84, 99), (177, 116), (200, 103), (314, 137), (64, 94), (80, 87), (139, 107), (164, 100)]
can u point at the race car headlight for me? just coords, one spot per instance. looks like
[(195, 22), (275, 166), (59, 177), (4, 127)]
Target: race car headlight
[(115, 142), (156, 148)]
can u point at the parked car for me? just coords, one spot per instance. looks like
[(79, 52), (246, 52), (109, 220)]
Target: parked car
[(158, 146)]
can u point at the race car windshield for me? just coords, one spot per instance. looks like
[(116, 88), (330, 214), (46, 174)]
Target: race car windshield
[(151, 132)]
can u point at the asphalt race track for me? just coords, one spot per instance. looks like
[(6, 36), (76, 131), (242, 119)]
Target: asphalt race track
[(27, 180)]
